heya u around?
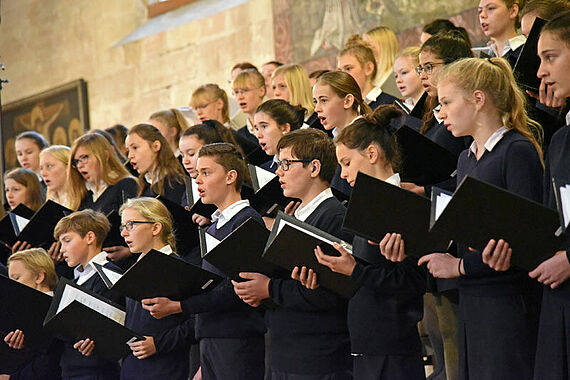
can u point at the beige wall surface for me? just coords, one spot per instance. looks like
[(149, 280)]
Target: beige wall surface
[(45, 44)]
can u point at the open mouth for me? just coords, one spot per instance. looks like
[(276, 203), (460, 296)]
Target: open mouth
[(484, 27), (322, 119)]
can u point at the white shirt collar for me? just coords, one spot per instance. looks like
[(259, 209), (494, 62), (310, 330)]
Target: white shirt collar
[(393, 179), (303, 212), (373, 95), (511, 44), (409, 103), (436, 113), (222, 217), (150, 178), (568, 118), (335, 130), (84, 274), (96, 194), (167, 250), (491, 141), (249, 126)]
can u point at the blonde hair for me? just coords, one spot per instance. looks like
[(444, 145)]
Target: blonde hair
[(154, 211), (30, 181), (210, 93), (363, 53), (299, 86), (60, 153), (248, 77), (112, 171), (386, 47), (412, 52), (171, 118), (494, 76), (37, 261), (83, 222)]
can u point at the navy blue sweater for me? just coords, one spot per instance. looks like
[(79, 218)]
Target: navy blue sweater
[(308, 329), (558, 165), (384, 313), (513, 165), (42, 365), (174, 190), (220, 312), (113, 196), (383, 98), (172, 336), (73, 363)]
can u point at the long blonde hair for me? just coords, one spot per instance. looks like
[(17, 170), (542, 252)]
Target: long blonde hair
[(209, 93), (494, 76), (60, 153), (154, 211), (297, 81), (112, 171), (386, 45)]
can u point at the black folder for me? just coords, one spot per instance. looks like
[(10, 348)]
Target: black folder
[(291, 243), (252, 150), (9, 228), (24, 308), (424, 161), (195, 202), (159, 275), (528, 61), (23, 211), (241, 251), (114, 237), (478, 212), (562, 196), (39, 230), (377, 208), (11, 360), (185, 231), (268, 191), (76, 313)]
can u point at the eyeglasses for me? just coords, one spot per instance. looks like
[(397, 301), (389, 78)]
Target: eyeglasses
[(428, 67), (81, 159), (201, 106), (242, 91), (285, 164), (131, 224)]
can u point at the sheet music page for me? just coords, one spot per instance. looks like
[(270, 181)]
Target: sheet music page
[(441, 202), (195, 193), (71, 294), (263, 176), (21, 222), (211, 242), (111, 275), (283, 223), (565, 201)]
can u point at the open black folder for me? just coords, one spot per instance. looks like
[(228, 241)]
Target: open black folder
[(268, 192), (76, 313), (528, 62), (291, 243), (114, 237), (240, 251), (478, 212), (39, 230), (195, 202), (377, 208), (159, 275), (12, 223), (24, 308), (424, 161), (185, 231)]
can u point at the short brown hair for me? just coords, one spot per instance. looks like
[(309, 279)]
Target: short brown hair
[(37, 260), (82, 222), (312, 144), (229, 157)]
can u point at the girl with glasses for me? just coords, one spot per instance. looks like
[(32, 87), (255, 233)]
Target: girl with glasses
[(211, 103)]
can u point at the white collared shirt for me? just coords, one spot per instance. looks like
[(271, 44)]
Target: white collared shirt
[(303, 212), (96, 194), (84, 274), (491, 141), (150, 178), (393, 179), (249, 126), (167, 250), (409, 103), (436, 113), (511, 44), (373, 95), (222, 217)]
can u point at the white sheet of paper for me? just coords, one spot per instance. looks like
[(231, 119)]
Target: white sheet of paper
[(283, 223), (263, 176), (71, 294), (195, 193), (21, 222), (211, 242), (441, 202), (565, 201), (111, 275)]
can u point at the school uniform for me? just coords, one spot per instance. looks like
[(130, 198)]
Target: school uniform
[(271, 165), (174, 189), (511, 51), (109, 198), (230, 332), (308, 332), (553, 353), (3, 270), (41, 365), (498, 311), (172, 338), (376, 97), (75, 366), (384, 313)]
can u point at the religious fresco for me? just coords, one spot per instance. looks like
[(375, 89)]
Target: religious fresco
[(59, 114), (320, 28)]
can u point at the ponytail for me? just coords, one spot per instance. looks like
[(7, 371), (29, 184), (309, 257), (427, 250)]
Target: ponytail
[(283, 113), (344, 84)]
